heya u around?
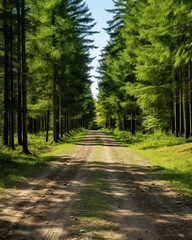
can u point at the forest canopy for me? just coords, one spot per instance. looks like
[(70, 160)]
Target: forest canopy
[(44, 71)]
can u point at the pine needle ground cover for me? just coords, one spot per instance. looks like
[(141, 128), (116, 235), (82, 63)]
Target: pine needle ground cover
[(15, 166), (170, 156)]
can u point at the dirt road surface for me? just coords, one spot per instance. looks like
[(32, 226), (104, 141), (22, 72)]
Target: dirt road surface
[(142, 207)]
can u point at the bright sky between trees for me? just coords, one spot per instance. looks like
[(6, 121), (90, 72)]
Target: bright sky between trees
[(97, 7)]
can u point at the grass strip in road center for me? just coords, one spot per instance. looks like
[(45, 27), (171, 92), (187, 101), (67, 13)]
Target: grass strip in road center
[(98, 140), (94, 217)]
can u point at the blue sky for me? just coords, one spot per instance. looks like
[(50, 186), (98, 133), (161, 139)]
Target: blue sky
[(97, 8)]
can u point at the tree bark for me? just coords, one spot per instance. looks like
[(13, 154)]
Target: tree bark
[(54, 91), (60, 109), (47, 126), (54, 95), (24, 79), (11, 83), (176, 115), (62, 124), (19, 114), (180, 113), (189, 98), (6, 74), (185, 107)]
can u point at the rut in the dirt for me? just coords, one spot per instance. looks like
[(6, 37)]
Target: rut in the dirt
[(42, 206), (141, 207)]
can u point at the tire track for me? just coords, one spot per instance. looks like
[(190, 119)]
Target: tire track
[(144, 207), (40, 209)]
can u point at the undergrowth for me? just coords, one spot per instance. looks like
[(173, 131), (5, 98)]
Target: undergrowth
[(15, 166), (146, 141)]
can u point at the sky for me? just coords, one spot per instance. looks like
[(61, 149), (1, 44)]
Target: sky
[(97, 8)]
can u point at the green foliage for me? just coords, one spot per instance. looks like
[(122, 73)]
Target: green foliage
[(57, 54), (150, 124), (146, 141), (145, 63), (59, 39)]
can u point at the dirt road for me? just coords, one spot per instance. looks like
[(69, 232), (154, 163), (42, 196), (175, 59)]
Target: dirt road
[(141, 207)]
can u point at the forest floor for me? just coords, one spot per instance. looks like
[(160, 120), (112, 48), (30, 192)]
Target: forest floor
[(99, 190)]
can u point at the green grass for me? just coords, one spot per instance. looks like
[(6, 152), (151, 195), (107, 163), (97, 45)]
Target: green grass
[(98, 140), (170, 156), (175, 163), (95, 200), (15, 166), (146, 141)]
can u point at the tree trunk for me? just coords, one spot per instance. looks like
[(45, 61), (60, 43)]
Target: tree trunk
[(54, 91), (24, 80), (6, 74), (185, 107), (176, 115), (54, 104), (58, 127), (60, 109), (62, 124), (180, 113), (11, 83), (189, 98), (19, 114), (47, 126)]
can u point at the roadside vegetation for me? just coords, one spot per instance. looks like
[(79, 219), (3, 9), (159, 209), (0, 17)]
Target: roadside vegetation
[(16, 166), (168, 154), (145, 69)]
